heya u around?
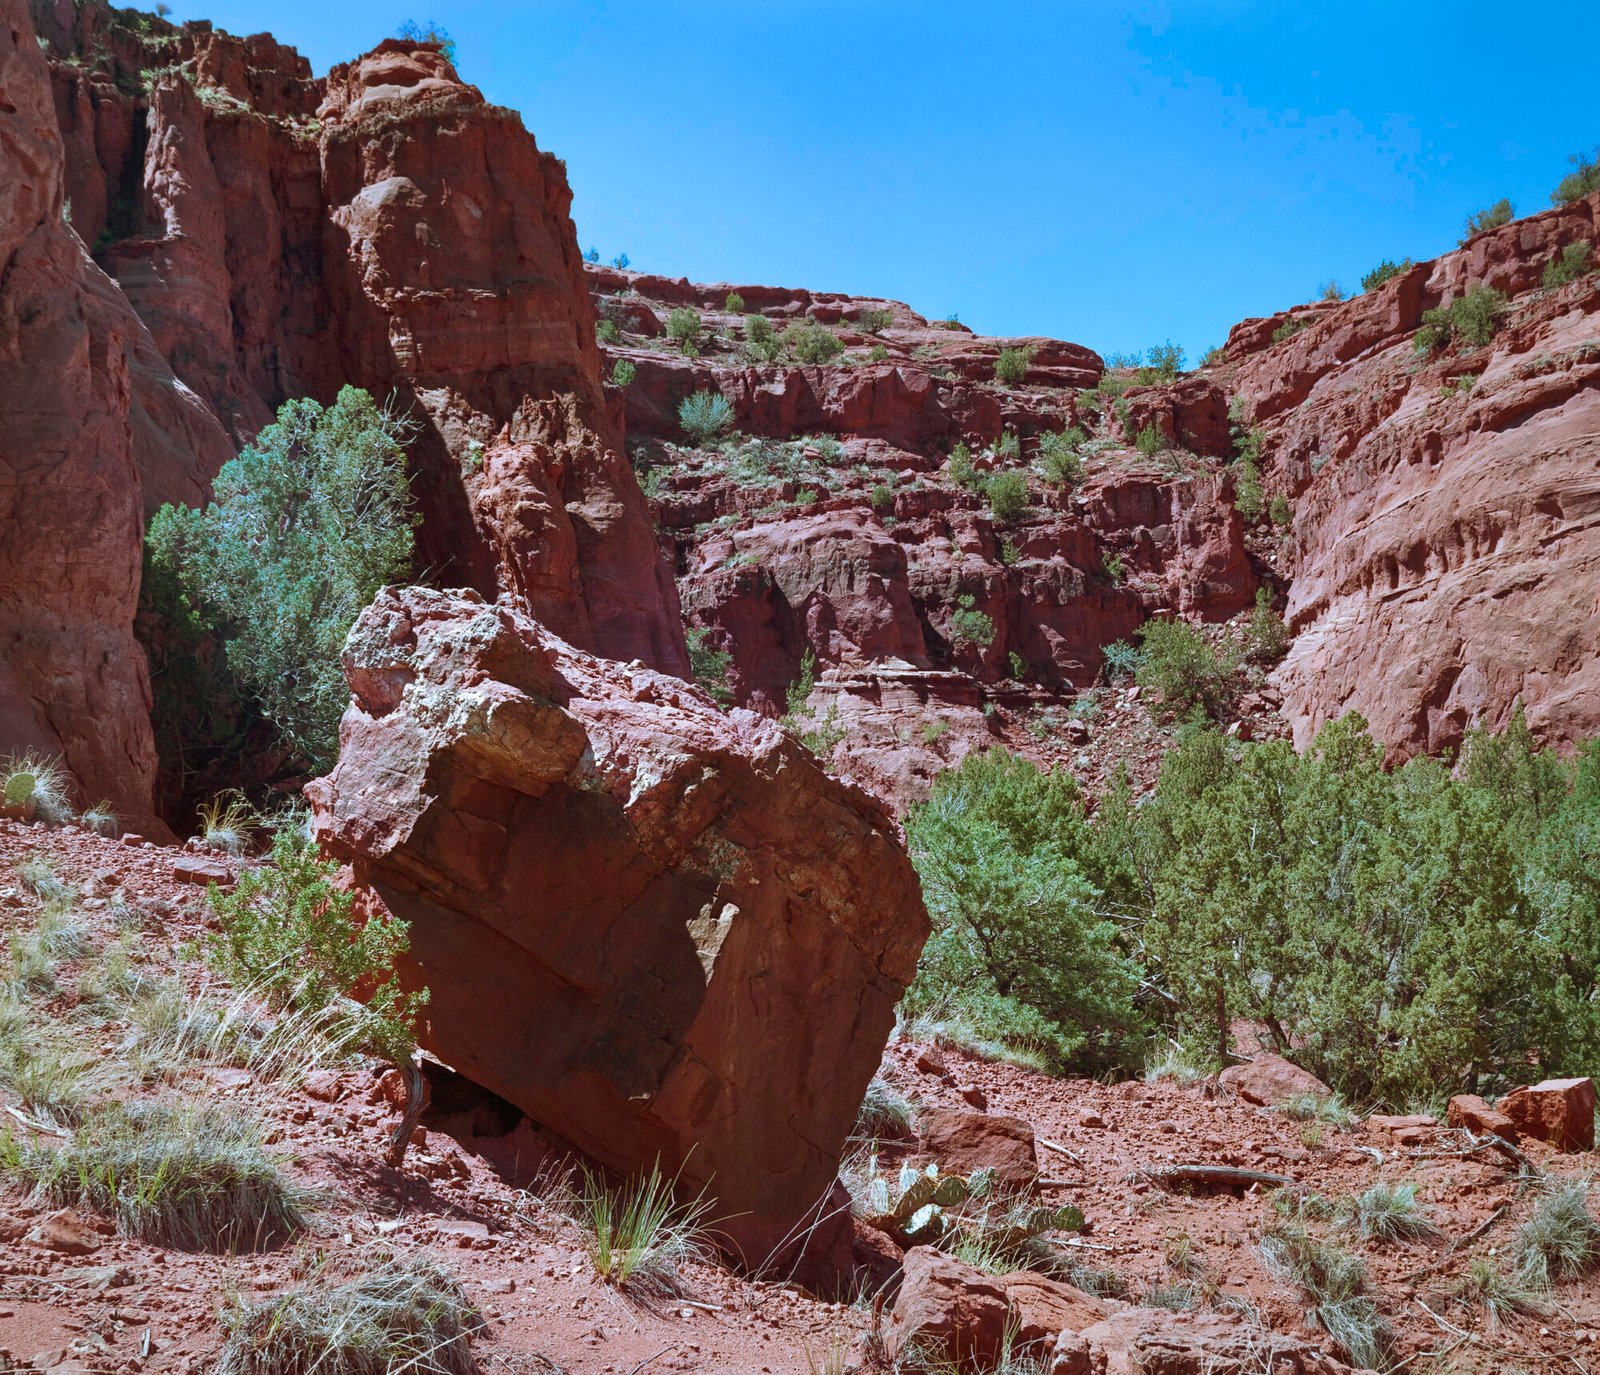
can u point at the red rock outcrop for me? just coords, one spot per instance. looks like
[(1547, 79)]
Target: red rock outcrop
[(276, 236), (1446, 509), (81, 388), (1560, 1111), (629, 906)]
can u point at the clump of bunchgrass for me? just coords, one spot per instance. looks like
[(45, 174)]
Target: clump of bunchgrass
[(1388, 1212), (885, 1113), (1335, 1283), (38, 875), (226, 822), (639, 1236), (172, 1175), (101, 819), (34, 779), (1176, 1063), (407, 1315), (1318, 1107), (1560, 1239), (49, 1077), (1483, 1285)]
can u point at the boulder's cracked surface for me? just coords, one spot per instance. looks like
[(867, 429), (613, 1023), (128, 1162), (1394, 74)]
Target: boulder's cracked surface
[(662, 931)]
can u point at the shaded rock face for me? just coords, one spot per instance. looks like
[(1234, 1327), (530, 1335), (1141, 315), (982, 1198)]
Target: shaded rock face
[(81, 387), (1446, 543), (633, 910), (279, 236)]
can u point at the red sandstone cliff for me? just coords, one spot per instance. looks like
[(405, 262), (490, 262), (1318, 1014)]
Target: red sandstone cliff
[(1446, 552), (258, 235)]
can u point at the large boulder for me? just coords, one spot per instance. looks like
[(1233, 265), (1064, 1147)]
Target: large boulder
[(1560, 1111), (1270, 1081), (660, 930)]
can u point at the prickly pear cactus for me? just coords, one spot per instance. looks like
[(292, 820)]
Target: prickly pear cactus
[(1022, 1225), (19, 788), (916, 1211)]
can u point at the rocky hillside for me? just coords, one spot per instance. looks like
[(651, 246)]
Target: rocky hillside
[(1438, 503)]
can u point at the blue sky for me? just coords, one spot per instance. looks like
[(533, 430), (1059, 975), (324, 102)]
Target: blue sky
[(1114, 175)]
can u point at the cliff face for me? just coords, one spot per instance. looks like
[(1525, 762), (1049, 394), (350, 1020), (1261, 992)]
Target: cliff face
[(257, 235), (1446, 553)]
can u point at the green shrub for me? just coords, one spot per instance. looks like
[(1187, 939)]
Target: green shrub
[(683, 327), (1008, 495), (1279, 512), (1008, 448), (1501, 212), (709, 665), (623, 372), (1568, 265), (734, 305), (877, 354), (308, 523), (1217, 353), (1113, 568), (187, 1178), (881, 497), (874, 320), (969, 626), (758, 329), (1183, 667), (1583, 180), (705, 415), (1385, 271), (960, 468), (1289, 328), (608, 332), (402, 1315), (292, 935), (1330, 291), (1011, 367), (1165, 361), (1473, 316), (1122, 660), (429, 32), (1149, 441), (1059, 456), (1266, 636), (1020, 948), (812, 342)]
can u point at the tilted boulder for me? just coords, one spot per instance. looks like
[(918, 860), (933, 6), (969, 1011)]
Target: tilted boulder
[(660, 930), (1269, 1081)]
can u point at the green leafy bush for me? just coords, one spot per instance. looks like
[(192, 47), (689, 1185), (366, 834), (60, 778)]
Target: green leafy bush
[(960, 468), (734, 305), (1184, 667), (1569, 264), (1008, 495), (1122, 660), (881, 497), (623, 372), (608, 332), (709, 665), (1330, 290), (874, 320), (969, 626), (1289, 328), (291, 935), (1266, 636), (683, 327), (1021, 948), (1583, 180), (1059, 457), (1501, 212), (1165, 361), (308, 523), (812, 342), (1473, 317), (704, 415), (429, 32), (1149, 441), (1385, 271), (1011, 367)]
